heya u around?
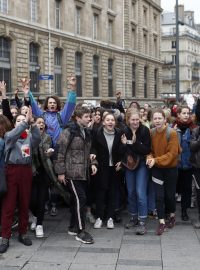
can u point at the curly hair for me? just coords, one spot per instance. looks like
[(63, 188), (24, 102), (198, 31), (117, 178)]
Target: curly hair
[(57, 102)]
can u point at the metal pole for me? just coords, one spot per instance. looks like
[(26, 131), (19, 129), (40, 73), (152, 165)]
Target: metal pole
[(177, 53)]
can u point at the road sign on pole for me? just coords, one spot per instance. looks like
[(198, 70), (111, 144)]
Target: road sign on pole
[(45, 77)]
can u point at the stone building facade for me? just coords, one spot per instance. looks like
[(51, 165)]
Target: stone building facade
[(189, 52), (110, 45)]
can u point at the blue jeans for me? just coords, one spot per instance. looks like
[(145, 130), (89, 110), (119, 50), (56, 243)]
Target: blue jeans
[(136, 183), (151, 196)]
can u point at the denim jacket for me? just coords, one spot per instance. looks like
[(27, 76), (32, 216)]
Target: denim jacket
[(184, 139), (2, 145)]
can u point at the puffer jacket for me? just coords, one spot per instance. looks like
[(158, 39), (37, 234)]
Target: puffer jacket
[(72, 153), (195, 147)]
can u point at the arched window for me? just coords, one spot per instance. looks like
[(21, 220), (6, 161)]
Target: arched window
[(58, 71), (78, 72), (5, 66), (95, 76)]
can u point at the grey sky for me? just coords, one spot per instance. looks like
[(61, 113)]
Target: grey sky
[(194, 5)]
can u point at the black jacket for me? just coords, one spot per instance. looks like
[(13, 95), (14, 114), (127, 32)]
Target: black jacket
[(100, 147), (195, 147), (142, 145)]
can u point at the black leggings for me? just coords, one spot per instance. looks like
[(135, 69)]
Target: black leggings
[(164, 180), (38, 197), (185, 180)]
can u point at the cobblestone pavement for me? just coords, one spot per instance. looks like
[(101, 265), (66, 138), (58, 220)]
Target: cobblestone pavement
[(119, 249)]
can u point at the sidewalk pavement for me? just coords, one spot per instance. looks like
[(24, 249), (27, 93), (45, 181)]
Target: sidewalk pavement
[(119, 249)]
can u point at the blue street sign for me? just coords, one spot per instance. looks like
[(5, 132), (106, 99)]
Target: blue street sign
[(45, 77)]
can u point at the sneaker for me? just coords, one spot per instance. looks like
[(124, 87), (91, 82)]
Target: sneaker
[(170, 223), (54, 211), (98, 223), (4, 245), (153, 214), (72, 231), (161, 229), (24, 240), (178, 199), (85, 238), (133, 222), (141, 229), (39, 233), (110, 224), (197, 224), (90, 217), (33, 223)]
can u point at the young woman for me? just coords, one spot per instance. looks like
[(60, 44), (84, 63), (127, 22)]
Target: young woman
[(108, 149), (138, 145), (163, 161), (40, 179), (184, 127), (19, 143)]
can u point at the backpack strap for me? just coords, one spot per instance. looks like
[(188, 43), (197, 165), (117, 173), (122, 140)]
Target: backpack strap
[(168, 131)]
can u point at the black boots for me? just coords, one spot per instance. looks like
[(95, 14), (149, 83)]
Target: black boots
[(184, 215)]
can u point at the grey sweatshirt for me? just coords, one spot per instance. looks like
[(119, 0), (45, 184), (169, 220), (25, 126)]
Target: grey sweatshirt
[(21, 149)]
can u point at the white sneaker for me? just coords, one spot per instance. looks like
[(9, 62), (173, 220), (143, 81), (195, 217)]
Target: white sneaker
[(33, 224), (39, 233), (90, 217), (110, 224), (98, 223)]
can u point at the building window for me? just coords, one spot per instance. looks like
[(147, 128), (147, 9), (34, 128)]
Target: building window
[(5, 66), (189, 74), (133, 9), (155, 83), (173, 59), (95, 76), (110, 4), (34, 6), (57, 14), (173, 44), (155, 47), (145, 16), (145, 82), (95, 26), (133, 80), (33, 53), (145, 42), (110, 77), (58, 71), (133, 38), (78, 21), (173, 88), (110, 31), (34, 66), (4, 6), (155, 21), (78, 72)]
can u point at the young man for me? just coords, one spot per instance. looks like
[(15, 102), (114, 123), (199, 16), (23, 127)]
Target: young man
[(72, 162)]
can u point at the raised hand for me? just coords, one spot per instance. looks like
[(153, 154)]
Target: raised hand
[(3, 89), (25, 85), (72, 82), (29, 116)]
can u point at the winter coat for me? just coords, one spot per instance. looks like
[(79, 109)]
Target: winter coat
[(195, 147), (100, 147), (72, 156)]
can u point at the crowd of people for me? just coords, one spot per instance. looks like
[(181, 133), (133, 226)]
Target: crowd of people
[(98, 159)]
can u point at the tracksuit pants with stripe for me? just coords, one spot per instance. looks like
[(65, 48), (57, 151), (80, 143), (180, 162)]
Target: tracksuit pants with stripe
[(78, 190), (164, 180)]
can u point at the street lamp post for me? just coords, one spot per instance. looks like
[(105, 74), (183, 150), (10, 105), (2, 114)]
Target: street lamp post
[(177, 53)]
